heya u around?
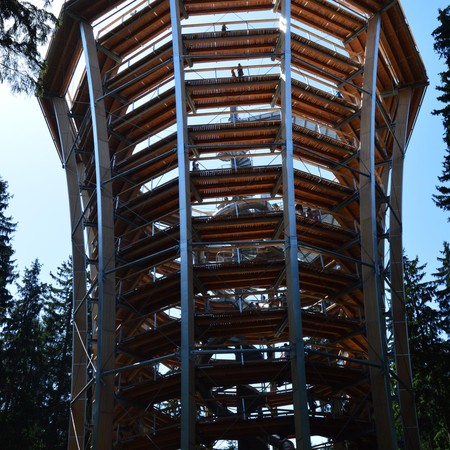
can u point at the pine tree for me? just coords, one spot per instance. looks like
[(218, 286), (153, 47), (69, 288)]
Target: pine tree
[(24, 27), (430, 358), (58, 350), (442, 47), (442, 291), (23, 367), (7, 269)]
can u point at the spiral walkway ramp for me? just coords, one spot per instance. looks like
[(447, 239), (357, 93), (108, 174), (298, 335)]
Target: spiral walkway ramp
[(234, 170)]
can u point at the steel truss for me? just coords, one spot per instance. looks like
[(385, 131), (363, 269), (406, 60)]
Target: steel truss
[(230, 225)]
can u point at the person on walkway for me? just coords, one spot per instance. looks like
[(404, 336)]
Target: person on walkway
[(240, 71), (287, 445), (286, 353)]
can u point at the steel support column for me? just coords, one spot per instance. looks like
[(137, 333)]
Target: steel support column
[(188, 414), (371, 278), (104, 385), (402, 359), (79, 342), (299, 394)]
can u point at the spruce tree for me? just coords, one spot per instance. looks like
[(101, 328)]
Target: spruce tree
[(442, 47), (24, 28), (430, 358), (7, 269), (23, 367), (58, 350), (442, 290)]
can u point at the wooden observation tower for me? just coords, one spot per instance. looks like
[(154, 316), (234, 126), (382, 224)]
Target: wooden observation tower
[(234, 170)]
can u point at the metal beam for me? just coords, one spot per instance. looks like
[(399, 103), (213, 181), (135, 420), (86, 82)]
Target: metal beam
[(370, 270), (103, 401), (188, 413), (299, 394), (79, 308), (402, 359)]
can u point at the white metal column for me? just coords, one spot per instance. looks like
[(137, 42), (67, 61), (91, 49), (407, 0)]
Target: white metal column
[(188, 413), (370, 272), (402, 356), (105, 358), (80, 332), (301, 415)]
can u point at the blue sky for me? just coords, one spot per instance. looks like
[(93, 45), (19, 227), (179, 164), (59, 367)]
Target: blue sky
[(425, 226), (31, 166)]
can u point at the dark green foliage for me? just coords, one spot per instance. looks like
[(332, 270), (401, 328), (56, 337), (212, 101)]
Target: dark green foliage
[(23, 29), (442, 199), (35, 362), (22, 390), (7, 270), (442, 291), (58, 350), (430, 358), (35, 350), (442, 48)]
